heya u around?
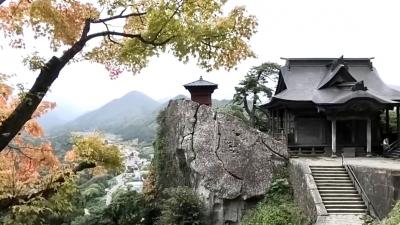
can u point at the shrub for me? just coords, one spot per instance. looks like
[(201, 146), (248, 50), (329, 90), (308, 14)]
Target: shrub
[(127, 208), (278, 207), (394, 216), (181, 207)]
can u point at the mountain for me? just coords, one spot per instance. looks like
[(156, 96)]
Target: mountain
[(130, 116), (60, 115)]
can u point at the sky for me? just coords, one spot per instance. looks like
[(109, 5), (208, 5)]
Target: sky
[(287, 28)]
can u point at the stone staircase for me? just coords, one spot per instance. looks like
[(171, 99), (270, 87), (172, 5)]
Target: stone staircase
[(337, 190)]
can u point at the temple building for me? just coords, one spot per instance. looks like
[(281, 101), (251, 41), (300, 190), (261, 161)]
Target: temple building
[(201, 91), (330, 106)]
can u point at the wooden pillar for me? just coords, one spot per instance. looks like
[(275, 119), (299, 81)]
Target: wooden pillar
[(333, 138), (387, 123), (398, 122), (353, 131), (281, 116), (272, 122), (369, 142)]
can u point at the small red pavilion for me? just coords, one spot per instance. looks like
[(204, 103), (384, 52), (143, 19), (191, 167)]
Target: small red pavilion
[(201, 90)]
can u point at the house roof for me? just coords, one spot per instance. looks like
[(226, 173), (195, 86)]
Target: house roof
[(313, 80), (200, 83)]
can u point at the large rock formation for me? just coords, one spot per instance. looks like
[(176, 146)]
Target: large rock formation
[(228, 163)]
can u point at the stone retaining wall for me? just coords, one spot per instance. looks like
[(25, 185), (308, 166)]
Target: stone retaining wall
[(305, 190), (382, 187)]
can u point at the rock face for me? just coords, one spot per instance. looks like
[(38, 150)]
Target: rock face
[(228, 163)]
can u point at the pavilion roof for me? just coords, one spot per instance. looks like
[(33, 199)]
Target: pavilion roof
[(325, 81), (200, 83)]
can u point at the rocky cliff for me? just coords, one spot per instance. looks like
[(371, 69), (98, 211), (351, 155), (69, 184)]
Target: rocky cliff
[(225, 161)]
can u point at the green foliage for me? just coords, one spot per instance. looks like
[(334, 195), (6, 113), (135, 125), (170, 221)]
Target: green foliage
[(94, 149), (34, 61), (126, 208), (234, 110), (146, 152), (93, 191), (277, 208), (86, 180), (182, 206), (392, 121), (394, 216), (167, 172), (257, 83), (64, 205)]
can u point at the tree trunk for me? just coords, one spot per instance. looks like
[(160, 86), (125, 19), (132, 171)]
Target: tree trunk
[(11, 126), (248, 111)]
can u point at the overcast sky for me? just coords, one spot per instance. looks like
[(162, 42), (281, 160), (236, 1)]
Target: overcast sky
[(287, 28)]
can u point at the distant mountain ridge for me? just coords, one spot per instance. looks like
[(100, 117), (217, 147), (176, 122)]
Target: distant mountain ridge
[(131, 116), (133, 111)]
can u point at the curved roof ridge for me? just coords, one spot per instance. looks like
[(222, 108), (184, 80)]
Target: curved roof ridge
[(334, 73)]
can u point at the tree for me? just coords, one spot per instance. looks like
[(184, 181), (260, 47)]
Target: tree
[(181, 206), (252, 87), (188, 29), (46, 195)]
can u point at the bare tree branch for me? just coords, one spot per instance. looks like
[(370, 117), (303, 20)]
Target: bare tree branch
[(20, 151), (120, 16), (109, 36), (134, 36)]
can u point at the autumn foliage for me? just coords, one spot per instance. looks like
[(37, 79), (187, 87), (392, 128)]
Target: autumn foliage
[(23, 163), (34, 184)]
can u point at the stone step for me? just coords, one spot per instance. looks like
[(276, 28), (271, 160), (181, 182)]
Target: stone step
[(345, 206), (346, 211), (329, 167), (341, 198), (347, 214), (336, 184), (339, 195), (343, 181), (332, 179), (330, 175), (328, 171), (354, 191), (337, 190), (337, 202), (320, 187)]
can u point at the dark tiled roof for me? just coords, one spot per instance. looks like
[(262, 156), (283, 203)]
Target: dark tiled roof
[(333, 73), (305, 80), (200, 83)]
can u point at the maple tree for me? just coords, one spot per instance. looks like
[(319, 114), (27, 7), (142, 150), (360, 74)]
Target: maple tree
[(132, 32), (22, 163), (33, 182)]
